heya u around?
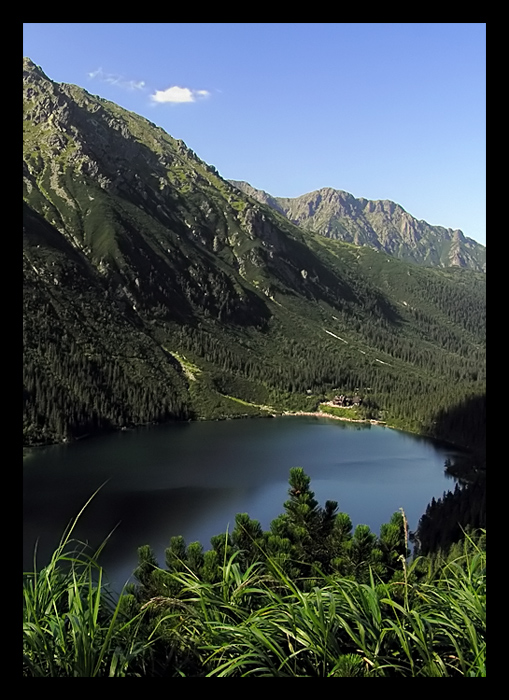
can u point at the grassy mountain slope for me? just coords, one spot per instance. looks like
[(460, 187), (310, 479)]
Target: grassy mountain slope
[(154, 289)]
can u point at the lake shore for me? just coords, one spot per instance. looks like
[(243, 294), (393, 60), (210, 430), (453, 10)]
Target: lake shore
[(318, 414)]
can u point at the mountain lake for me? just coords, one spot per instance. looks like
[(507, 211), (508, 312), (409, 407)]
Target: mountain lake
[(191, 479)]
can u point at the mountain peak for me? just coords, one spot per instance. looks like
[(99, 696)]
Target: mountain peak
[(380, 224), (30, 67)]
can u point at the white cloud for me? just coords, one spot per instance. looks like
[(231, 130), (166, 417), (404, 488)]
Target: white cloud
[(178, 94), (113, 79), (173, 94)]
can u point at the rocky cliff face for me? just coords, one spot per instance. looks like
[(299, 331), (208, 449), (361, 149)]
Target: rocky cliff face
[(382, 225)]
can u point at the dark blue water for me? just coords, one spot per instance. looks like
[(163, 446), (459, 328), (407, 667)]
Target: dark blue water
[(191, 479)]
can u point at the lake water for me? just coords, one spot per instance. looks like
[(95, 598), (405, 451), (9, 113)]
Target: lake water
[(191, 479)]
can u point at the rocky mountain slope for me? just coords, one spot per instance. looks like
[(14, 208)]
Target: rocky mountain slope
[(382, 225), (156, 290)]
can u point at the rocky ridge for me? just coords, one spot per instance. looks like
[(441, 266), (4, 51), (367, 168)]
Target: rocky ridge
[(381, 224)]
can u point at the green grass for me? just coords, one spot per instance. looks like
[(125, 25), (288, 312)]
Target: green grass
[(72, 626), (351, 413), (251, 624)]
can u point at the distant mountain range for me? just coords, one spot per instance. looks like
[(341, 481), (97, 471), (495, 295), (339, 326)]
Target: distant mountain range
[(154, 290), (382, 225)]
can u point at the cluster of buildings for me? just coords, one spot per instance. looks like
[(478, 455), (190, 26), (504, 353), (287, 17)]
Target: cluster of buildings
[(346, 401)]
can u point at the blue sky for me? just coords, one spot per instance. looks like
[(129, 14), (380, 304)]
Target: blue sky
[(384, 111)]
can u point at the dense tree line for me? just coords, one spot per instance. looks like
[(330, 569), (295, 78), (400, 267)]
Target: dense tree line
[(447, 518), (402, 394)]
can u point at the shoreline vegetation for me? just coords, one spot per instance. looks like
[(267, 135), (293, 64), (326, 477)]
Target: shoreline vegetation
[(268, 412), (265, 412)]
